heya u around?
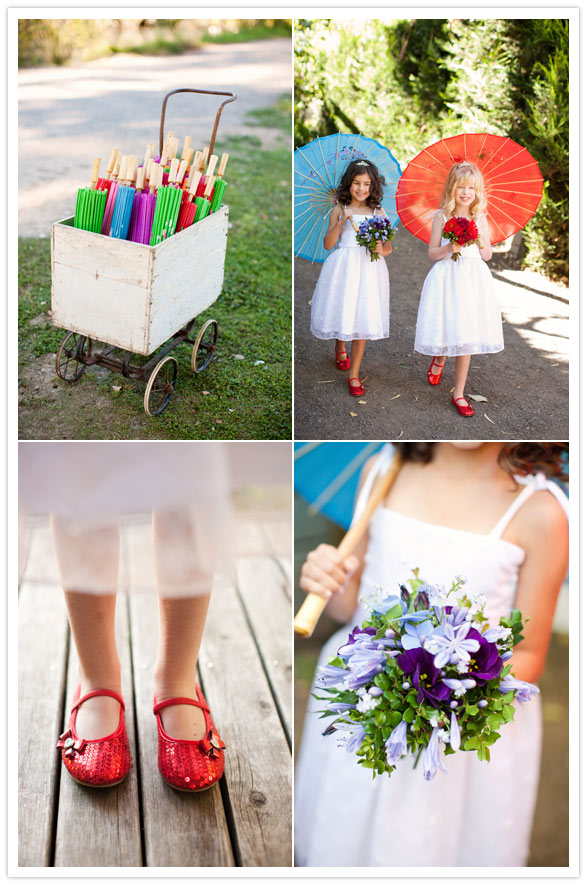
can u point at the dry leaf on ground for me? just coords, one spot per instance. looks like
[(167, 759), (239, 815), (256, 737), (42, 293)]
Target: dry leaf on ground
[(354, 414), (478, 398), (488, 419)]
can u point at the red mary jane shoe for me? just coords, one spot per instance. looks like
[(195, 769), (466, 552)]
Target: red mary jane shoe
[(465, 409), (96, 762), (355, 390), (342, 359), (434, 377), (190, 765)]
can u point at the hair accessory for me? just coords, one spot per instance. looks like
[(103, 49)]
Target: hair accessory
[(361, 163)]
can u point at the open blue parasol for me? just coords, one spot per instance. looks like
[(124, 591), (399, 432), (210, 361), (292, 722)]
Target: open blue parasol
[(318, 168), (327, 476)]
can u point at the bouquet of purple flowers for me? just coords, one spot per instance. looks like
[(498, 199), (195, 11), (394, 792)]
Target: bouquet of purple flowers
[(424, 673), (373, 230)]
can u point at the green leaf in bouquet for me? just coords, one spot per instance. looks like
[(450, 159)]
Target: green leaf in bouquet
[(472, 710), (448, 750), (382, 681), (494, 721), (491, 737), (368, 764), (483, 754), (472, 744), (393, 613), (509, 697), (515, 616), (386, 732), (508, 713), (337, 662), (409, 715), (395, 718), (412, 698), (380, 718)]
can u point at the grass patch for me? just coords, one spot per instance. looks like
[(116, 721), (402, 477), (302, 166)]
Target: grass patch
[(247, 399), (278, 116), (159, 46), (279, 27)]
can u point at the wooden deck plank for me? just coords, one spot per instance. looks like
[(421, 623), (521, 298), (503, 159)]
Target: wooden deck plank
[(258, 762), (101, 827), (181, 830), (41, 681), (263, 590)]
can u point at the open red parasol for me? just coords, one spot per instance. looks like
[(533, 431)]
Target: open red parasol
[(513, 183)]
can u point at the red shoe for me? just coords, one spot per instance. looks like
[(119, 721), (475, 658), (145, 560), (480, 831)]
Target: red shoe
[(434, 377), (342, 362), (467, 409), (190, 765), (356, 390), (96, 762)]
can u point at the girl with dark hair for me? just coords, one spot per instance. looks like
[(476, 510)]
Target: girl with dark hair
[(487, 512), (351, 299)]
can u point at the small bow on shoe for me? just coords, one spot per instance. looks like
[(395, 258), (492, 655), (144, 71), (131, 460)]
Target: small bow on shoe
[(212, 744), (71, 747)]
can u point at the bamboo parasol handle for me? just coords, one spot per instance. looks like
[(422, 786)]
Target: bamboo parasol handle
[(313, 606), (95, 171), (222, 166), (211, 165), (111, 162), (209, 185)]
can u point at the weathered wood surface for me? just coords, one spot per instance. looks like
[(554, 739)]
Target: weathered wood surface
[(244, 666), (132, 295), (42, 640)]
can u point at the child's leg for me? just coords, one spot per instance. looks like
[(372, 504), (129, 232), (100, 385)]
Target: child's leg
[(88, 559), (461, 371), (358, 349), (181, 620)]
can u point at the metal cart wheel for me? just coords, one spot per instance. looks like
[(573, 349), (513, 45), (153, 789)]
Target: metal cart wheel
[(72, 352), (204, 346), (161, 386)]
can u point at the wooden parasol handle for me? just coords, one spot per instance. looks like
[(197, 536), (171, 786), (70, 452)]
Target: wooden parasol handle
[(95, 172), (222, 166), (313, 606)]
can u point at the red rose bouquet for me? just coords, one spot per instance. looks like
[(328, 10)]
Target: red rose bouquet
[(462, 231)]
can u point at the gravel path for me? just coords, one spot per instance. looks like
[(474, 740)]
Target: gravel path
[(526, 385), (68, 115)]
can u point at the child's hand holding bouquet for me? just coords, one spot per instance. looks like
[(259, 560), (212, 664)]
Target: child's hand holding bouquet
[(373, 230), (423, 674), (462, 231)]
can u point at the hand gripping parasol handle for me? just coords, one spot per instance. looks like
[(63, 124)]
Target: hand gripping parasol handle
[(313, 606), (232, 98)]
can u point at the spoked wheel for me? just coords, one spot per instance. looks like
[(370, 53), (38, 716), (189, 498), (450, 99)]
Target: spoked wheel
[(161, 386), (73, 351), (204, 346)]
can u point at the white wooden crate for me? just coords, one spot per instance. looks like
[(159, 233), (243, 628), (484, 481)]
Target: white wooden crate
[(131, 295)]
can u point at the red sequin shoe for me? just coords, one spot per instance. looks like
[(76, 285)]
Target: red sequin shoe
[(96, 762), (190, 765)]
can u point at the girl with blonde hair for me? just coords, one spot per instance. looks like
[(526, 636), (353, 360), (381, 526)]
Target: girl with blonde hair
[(459, 311)]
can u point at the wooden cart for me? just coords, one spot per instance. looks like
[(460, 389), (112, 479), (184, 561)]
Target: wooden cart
[(138, 299)]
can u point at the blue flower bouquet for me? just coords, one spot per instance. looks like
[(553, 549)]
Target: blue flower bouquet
[(374, 230), (425, 673)]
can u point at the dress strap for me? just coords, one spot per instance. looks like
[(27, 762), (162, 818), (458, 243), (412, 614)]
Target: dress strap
[(531, 484), (378, 468)]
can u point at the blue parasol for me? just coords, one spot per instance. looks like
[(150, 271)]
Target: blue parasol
[(327, 476), (318, 168)]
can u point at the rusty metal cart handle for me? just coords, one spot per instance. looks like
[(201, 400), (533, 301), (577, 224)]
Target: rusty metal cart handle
[(232, 98)]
